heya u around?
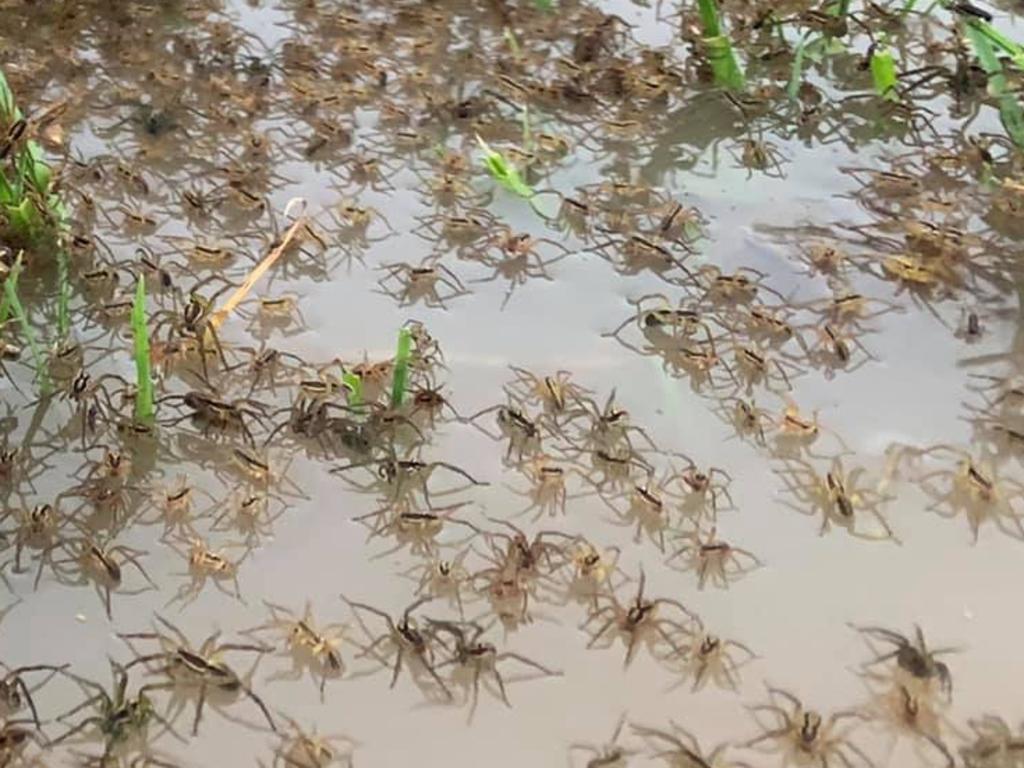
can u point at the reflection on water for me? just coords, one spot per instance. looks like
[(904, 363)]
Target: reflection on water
[(724, 471)]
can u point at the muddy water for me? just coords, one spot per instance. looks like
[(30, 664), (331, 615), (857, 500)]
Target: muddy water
[(795, 612)]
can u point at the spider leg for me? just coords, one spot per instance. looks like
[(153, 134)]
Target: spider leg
[(199, 708)]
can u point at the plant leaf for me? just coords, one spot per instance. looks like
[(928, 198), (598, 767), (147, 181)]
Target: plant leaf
[(503, 172), (883, 74), (144, 406), (797, 72), (400, 377)]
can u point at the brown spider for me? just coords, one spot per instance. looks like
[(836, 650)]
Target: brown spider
[(430, 281), (916, 664), (804, 736), (638, 617), (309, 645), (713, 658), (975, 490), (838, 497), (995, 744), (713, 559), (681, 749), (759, 155), (554, 392), (480, 656), (405, 638)]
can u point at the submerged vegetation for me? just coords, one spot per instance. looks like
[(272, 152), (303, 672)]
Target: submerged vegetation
[(698, 424)]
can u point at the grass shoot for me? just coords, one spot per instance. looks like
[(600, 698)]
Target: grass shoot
[(1010, 113), (883, 74), (144, 408), (400, 377), (503, 172), (719, 50), (12, 307)]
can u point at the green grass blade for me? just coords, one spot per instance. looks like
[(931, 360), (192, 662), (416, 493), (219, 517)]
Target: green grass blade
[(5, 301), (400, 377), (997, 38), (883, 74), (355, 388), (6, 100), (545, 5), (18, 311), (63, 294), (796, 75), (709, 20), (724, 66), (144, 406), (503, 172), (1010, 113)]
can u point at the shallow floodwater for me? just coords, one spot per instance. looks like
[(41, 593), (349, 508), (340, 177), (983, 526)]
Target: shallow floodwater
[(164, 98)]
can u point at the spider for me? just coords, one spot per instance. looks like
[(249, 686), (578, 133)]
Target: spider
[(610, 426), (661, 323), (681, 749), (976, 491), (202, 667), (205, 564), (194, 322), (713, 559), (102, 565), (308, 645), (470, 652), (269, 312), (760, 155), (309, 749), (833, 350), (734, 288), (14, 691), (175, 506), (838, 497), (994, 746), (547, 493), (406, 639), (616, 469), (593, 570), (417, 530), (903, 712), (755, 368), (440, 578), (404, 478), (701, 491), (637, 617), (710, 657), (517, 259), (39, 530), (121, 720), (916, 664), (610, 754), (803, 735), (553, 392), (522, 432), (649, 510), (430, 281), (795, 432)]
